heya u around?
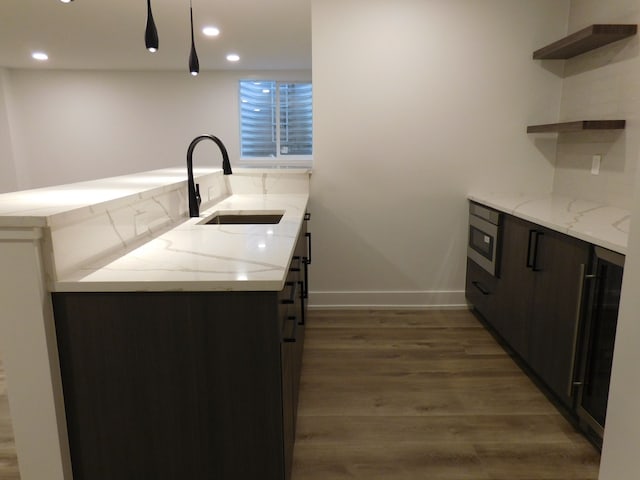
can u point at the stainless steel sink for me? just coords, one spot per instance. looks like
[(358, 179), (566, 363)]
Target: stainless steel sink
[(243, 218)]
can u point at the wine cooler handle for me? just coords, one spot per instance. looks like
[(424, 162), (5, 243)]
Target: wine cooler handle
[(576, 327)]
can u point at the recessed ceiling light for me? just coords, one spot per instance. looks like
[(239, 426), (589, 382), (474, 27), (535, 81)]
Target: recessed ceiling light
[(233, 57), (211, 31), (41, 56), (66, 1)]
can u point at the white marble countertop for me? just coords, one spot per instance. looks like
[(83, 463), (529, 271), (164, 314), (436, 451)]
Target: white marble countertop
[(133, 232), (193, 257), (593, 222)]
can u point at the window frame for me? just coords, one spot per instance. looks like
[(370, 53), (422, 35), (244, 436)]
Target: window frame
[(279, 160)]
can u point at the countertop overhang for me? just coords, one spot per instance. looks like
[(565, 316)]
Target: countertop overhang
[(597, 223)]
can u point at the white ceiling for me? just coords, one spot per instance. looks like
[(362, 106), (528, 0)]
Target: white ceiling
[(109, 34)]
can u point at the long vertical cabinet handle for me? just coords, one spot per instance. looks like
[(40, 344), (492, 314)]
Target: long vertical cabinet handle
[(308, 235), (305, 290), (302, 302), (576, 328), (534, 264), (532, 249), (306, 261), (529, 250)]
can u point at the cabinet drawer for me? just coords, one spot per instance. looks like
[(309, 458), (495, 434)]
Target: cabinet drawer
[(480, 289)]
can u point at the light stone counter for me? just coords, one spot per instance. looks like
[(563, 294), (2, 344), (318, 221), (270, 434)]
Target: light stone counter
[(593, 222), (197, 257), (132, 233)]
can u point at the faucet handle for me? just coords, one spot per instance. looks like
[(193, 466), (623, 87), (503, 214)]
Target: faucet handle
[(198, 198)]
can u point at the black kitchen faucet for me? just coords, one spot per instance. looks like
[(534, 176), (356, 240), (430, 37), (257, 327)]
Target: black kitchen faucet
[(194, 188)]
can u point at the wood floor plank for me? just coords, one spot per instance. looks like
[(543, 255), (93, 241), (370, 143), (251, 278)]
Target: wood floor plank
[(540, 461), (8, 458), (425, 395), (481, 429), (389, 461)]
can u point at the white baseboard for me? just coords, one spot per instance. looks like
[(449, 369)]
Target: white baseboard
[(388, 300)]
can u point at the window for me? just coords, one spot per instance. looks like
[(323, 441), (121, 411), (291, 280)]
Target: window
[(276, 120)]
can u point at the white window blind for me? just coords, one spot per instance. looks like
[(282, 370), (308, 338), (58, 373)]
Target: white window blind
[(276, 119)]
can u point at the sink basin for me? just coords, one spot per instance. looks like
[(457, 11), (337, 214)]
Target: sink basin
[(243, 218)]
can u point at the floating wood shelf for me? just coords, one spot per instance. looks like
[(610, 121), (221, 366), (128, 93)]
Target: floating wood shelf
[(578, 126), (584, 40)]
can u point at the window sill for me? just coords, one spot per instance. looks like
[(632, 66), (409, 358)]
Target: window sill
[(274, 163)]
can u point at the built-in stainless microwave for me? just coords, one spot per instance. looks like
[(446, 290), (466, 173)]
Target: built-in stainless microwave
[(484, 237)]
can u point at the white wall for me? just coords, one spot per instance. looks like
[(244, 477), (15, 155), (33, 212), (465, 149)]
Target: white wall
[(601, 84), (417, 103), (79, 125), (8, 179)]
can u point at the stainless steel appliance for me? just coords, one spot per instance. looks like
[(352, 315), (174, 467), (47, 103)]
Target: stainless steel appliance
[(599, 333), (484, 237)]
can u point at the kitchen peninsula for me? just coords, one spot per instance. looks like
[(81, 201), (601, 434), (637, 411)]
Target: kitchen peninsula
[(130, 235)]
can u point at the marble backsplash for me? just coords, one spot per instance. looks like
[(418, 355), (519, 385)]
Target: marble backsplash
[(88, 234)]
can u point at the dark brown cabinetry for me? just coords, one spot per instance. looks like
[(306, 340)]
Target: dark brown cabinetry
[(197, 385), (535, 304), (560, 263), (555, 304), (515, 286)]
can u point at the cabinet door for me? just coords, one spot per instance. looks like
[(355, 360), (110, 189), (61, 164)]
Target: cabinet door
[(515, 285), (560, 265), (171, 385)]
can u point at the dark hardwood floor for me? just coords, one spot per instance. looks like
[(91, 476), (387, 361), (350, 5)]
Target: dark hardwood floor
[(400, 395), (425, 395)]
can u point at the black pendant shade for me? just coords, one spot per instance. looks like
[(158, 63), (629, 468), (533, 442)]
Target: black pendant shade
[(194, 65), (151, 33)]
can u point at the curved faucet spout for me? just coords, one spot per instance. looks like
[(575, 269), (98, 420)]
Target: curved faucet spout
[(193, 188)]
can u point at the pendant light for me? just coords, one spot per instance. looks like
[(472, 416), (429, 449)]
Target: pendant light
[(194, 65), (151, 34)]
